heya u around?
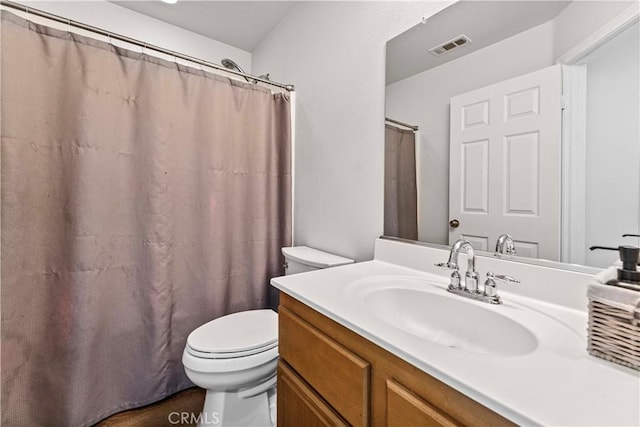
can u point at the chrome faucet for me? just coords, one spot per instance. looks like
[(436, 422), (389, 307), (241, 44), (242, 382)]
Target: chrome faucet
[(471, 286), (471, 276), (505, 245)]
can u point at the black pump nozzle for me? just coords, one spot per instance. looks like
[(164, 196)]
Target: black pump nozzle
[(628, 255), (606, 248)]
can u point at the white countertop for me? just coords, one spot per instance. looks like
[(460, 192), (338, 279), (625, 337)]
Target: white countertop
[(559, 385)]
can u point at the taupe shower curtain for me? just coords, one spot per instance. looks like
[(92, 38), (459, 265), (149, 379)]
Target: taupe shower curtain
[(400, 192), (140, 199)]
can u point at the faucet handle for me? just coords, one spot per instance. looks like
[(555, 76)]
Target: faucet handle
[(490, 288), (455, 274), (504, 279), (449, 265)]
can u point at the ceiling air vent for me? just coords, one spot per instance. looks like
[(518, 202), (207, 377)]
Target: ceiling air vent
[(450, 45)]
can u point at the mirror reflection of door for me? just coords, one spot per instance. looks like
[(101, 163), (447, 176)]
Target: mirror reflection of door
[(598, 44), (504, 171)]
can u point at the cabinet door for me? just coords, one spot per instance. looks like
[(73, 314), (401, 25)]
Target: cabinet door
[(336, 373), (406, 409), (299, 405)]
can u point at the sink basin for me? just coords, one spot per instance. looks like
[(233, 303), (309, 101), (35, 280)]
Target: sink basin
[(430, 313)]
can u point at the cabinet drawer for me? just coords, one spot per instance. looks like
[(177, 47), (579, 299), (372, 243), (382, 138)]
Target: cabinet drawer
[(298, 405), (404, 408), (338, 375)]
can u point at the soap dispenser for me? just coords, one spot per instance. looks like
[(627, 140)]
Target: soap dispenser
[(629, 272), (628, 275)]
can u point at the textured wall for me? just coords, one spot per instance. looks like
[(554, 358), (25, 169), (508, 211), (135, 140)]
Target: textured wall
[(334, 52)]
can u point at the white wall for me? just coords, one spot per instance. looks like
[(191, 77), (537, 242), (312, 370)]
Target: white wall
[(334, 54), (613, 144), (112, 17), (423, 100)]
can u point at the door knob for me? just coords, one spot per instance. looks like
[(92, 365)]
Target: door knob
[(454, 223)]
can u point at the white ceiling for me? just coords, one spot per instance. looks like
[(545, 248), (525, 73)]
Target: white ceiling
[(241, 24), (244, 24), (484, 22)]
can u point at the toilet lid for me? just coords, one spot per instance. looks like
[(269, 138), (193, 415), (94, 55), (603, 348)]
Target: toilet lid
[(235, 335)]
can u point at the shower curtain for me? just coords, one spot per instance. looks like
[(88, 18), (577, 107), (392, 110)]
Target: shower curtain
[(140, 199), (400, 192)]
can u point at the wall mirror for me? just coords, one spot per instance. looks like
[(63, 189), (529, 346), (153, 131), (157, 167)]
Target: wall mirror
[(519, 118)]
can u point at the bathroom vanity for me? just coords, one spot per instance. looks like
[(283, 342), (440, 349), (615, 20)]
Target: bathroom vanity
[(329, 375), (383, 343)]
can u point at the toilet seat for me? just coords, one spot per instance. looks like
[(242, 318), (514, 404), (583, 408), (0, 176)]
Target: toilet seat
[(229, 354), (236, 335), (228, 365)]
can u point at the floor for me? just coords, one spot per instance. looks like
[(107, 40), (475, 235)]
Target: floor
[(167, 412)]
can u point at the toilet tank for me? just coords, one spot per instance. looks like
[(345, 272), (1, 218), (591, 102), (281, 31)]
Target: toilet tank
[(299, 259)]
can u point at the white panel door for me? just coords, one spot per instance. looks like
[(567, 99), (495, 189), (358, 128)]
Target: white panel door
[(504, 171)]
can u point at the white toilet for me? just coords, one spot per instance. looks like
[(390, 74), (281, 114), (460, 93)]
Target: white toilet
[(235, 357)]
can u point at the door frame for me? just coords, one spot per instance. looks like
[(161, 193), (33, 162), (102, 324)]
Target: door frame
[(574, 135)]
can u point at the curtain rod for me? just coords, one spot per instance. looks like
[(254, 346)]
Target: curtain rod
[(396, 122), (37, 12)]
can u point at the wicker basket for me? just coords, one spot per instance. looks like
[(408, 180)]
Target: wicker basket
[(614, 325)]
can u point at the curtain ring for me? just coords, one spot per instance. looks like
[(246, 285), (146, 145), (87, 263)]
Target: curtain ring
[(27, 10), (69, 28)]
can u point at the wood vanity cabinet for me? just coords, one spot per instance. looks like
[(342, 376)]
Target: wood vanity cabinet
[(331, 376)]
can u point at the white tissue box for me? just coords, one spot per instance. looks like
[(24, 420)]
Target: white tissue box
[(614, 324)]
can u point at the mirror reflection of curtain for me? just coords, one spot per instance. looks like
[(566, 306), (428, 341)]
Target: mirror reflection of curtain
[(140, 199), (400, 192)]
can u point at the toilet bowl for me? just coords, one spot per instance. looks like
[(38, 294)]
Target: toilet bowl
[(234, 357)]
